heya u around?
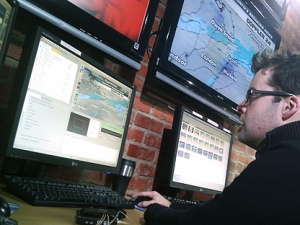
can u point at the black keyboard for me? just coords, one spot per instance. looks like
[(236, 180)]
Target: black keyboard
[(41, 192)]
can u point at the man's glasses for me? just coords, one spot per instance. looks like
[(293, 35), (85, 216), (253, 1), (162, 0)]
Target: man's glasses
[(273, 93)]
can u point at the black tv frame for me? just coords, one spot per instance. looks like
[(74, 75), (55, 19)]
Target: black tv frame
[(168, 84), (70, 18)]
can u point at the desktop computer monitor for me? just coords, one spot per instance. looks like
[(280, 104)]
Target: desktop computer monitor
[(194, 155), (66, 109)]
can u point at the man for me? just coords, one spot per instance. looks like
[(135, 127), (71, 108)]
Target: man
[(268, 190)]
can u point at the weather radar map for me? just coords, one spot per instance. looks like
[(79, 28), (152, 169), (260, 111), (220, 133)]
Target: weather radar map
[(101, 99), (215, 41)]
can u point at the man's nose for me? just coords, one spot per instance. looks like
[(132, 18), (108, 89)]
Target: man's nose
[(241, 107)]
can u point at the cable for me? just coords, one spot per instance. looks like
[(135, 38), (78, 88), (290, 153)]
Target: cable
[(105, 219), (148, 47)]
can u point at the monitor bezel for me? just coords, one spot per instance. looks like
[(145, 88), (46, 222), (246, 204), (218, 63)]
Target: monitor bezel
[(85, 24), (10, 25), (175, 135), (19, 92)]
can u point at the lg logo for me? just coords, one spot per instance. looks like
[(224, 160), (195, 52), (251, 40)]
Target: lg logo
[(74, 163)]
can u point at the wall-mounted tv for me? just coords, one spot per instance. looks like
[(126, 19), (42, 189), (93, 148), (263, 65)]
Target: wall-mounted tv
[(8, 12), (120, 28), (203, 54)]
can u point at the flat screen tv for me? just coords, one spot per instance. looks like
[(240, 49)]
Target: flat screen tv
[(8, 13), (66, 108), (120, 28), (203, 54), (194, 155)]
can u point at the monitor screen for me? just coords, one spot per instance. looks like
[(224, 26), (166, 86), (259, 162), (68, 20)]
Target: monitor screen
[(8, 12), (126, 17), (67, 109), (120, 28), (205, 50), (198, 153)]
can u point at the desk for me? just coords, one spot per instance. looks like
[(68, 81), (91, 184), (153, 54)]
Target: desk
[(43, 215)]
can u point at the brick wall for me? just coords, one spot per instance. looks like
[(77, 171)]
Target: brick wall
[(149, 117), (290, 32)]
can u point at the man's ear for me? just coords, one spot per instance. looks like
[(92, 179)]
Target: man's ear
[(292, 105)]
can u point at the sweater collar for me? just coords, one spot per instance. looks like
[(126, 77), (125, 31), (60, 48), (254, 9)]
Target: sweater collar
[(287, 132)]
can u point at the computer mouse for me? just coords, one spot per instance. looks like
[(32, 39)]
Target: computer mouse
[(4, 208), (140, 199)]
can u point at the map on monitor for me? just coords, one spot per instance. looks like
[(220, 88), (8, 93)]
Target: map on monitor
[(97, 93), (217, 48)]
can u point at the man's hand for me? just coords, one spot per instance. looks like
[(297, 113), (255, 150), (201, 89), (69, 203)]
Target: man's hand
[(155, 198)]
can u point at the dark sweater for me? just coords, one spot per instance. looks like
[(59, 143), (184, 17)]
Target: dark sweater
[(266, 192)]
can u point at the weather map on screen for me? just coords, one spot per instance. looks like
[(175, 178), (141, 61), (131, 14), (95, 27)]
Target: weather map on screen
[(101, 98), (220, 45)]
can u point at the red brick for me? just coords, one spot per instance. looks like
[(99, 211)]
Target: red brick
[(135, 134), (251, 152), (242, 158), (139, 83), (141, 105), (143, 70), (139, 184), (234, 155), (153, 140), (147, 170), (138, 152), (156, 126), (151, 41), (239, 146), (142, 120), (155, 25), (163, 114), (147, 56), (150, 123), (150, 185), (230, 178), (238, 168)]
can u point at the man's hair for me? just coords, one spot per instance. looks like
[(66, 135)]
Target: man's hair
[(285, 68)]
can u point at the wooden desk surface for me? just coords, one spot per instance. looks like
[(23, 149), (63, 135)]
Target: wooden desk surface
[(38, 215)]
